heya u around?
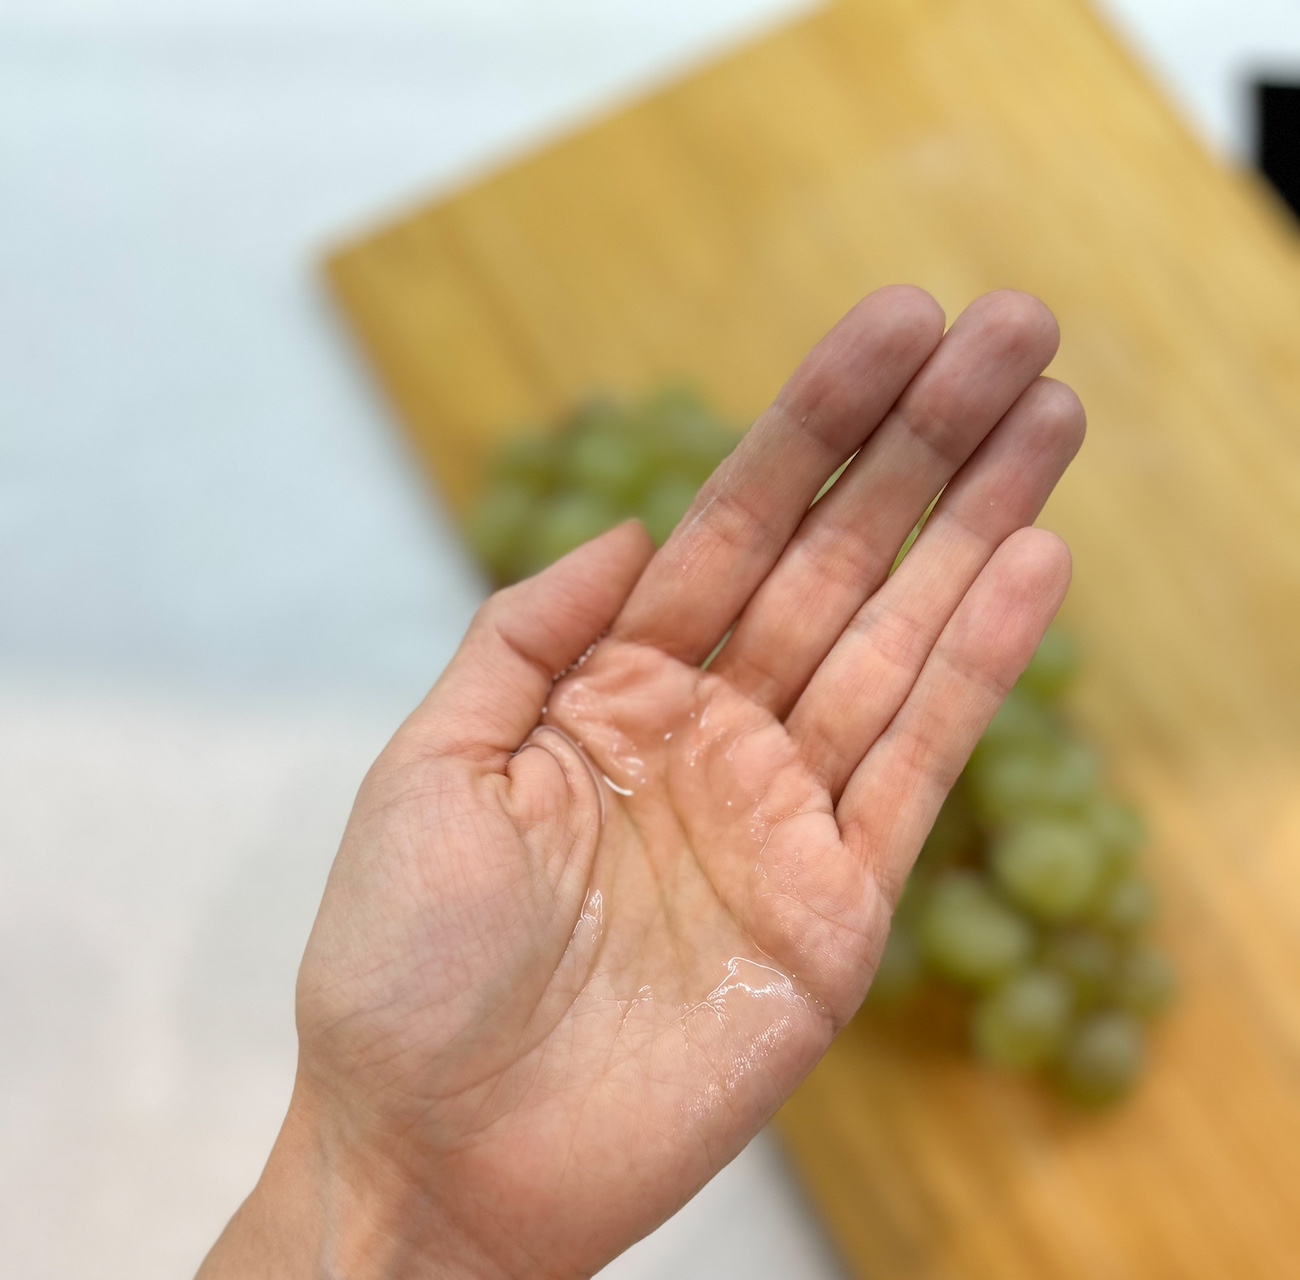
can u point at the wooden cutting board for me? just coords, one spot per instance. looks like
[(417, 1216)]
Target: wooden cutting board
[(714, 232)]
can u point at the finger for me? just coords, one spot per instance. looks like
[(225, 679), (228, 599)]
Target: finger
[(745, 513), (857, 690), (493, 691), (845, 545), (894, 795)]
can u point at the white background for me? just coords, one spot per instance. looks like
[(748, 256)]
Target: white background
[(221, 583)]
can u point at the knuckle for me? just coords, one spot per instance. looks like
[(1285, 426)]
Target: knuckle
[(749, 668), (844, 562), (737, 522), (898, 639), (939, 423)]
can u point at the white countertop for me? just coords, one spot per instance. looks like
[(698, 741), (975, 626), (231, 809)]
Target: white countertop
[(221, 583)]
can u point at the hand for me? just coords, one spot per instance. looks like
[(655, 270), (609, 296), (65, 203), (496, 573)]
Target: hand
[(599, 909)]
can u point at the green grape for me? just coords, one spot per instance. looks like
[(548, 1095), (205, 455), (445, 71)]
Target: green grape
[(598, 415), (1020, 722), (498, 524), (967, 935), (566, 521), (1086, 959), (677, 401), (1102, 1058), (1119, 831), (1006, 783), (612, 466), (683, 435), (916, 892), (608, 459), (1145, 982), (530, 461), (899, 973), (953, 835), (1049, 867), (1125, 905), (664, 504), (1033, 777), (1022, 1023), (1073, 776), (1052, 668)]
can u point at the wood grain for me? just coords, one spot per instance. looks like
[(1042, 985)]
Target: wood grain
[(713, 232)]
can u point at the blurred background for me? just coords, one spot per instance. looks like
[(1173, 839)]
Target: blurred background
[(223, 580)]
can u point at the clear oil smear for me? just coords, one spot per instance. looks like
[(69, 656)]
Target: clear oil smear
[(597, 777), (744, 980)]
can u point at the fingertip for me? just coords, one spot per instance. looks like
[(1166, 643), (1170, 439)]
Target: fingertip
[(1007, 609), (579, 593), (897, 327), (1038, 564), (1060, 412), (1042, 549), (609, 564), (633, 539), (1022, 321), (908, 319), (915, 313)]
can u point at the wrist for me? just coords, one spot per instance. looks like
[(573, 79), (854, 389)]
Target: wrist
[(324, 1209)]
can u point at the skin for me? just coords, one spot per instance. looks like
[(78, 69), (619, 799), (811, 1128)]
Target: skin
[(587, 931)]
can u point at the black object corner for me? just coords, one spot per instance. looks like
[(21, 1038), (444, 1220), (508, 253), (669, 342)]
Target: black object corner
[(1277, 136)]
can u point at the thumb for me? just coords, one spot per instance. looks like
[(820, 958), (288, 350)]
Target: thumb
[(492, 692)]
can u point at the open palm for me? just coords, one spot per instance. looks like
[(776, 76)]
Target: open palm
[(599, 908)]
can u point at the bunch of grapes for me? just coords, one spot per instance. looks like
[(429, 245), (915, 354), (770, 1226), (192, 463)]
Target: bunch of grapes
[(1028, 898), (608, 461)]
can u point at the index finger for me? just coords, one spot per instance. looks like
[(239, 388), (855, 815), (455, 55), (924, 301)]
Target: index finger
[(700, 580)]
